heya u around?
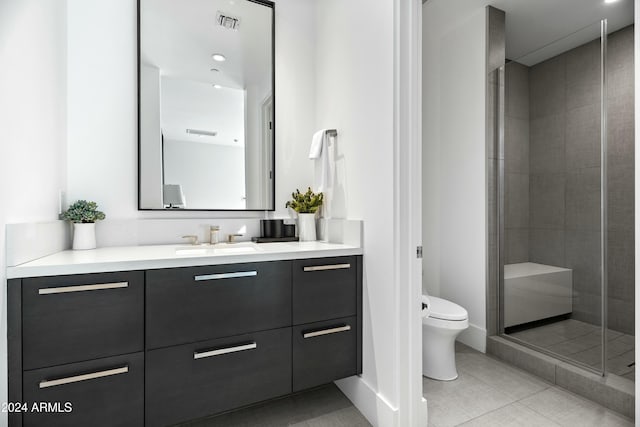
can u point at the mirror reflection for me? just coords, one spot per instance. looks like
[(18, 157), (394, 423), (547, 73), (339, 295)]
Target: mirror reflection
[(206, 134)]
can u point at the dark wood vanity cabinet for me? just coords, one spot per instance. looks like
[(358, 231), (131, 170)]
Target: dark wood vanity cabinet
[(69, 319), (165, 346), (197, 303)]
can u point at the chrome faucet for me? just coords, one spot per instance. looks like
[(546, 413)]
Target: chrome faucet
[(193, 239), (232, 237), (214, 230)]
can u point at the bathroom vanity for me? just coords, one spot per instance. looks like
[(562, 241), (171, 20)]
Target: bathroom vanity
[(142, 336)]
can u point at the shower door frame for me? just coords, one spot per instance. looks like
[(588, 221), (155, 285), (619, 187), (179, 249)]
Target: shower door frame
[(500, 212)]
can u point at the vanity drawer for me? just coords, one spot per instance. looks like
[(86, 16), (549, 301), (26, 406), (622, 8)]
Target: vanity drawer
[(324, 288), (195, 380), (74, 318), (104, 392), (194, 304), (324, 352)]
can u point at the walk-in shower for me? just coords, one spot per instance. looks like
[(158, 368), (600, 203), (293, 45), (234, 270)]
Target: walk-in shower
[(565, 199)]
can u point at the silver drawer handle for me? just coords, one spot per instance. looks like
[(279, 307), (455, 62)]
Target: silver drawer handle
[(221, 351), (84, 377), (81, 288), (327, 267), (225, 275), (326, 331)]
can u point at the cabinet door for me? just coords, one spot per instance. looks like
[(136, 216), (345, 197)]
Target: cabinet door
[(200, 303), (195, 380), (81, 317), (324, 352), (324, 288), (105, 392)]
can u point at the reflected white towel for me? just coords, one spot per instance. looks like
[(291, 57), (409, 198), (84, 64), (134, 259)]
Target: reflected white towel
[(316, 144), (319, 152)]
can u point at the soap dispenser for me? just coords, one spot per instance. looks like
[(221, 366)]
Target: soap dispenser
[(214, 234)]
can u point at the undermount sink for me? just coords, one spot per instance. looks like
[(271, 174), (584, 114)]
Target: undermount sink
[(218, 249)]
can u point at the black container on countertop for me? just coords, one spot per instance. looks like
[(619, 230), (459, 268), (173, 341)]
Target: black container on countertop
[(271, 228), (289, 230)]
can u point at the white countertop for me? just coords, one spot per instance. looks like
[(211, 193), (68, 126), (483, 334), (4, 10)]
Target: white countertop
[(169, 256)]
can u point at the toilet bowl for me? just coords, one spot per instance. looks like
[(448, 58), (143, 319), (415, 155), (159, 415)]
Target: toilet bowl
[(442, 322)]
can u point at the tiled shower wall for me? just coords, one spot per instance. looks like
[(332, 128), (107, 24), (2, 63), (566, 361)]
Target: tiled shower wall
[(516, 173), (552, 172)]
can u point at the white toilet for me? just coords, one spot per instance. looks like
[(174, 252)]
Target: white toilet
[(442, 322)]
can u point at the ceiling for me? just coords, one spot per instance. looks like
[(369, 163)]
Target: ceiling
[(179, 37), (537, 25)]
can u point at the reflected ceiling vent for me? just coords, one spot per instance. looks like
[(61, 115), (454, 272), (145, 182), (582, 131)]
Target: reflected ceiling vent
[(201, 133), (227, 21)]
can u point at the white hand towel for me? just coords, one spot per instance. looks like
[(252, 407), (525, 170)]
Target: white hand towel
[(316, 144), (319, 152)]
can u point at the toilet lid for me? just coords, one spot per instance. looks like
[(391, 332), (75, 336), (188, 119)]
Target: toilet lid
[(446, 310)]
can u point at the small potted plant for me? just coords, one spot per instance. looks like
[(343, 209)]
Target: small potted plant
[(83, 215), (306, 205)]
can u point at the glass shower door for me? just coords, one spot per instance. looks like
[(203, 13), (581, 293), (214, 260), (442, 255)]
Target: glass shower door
[(553, 251)]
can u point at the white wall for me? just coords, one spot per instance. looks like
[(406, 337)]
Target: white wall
[(295, 108), (32, 122), (102, 104), (454, 159), (210, 174), (355, 95), (150, 137)]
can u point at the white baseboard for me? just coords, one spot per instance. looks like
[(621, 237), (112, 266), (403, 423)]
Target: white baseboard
[(475, 337), (424, 413), (372, 405)]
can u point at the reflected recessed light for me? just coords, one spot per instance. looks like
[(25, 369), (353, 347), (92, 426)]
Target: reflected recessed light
[(217, 86), (201, 133), (219, 57), (610, 1)]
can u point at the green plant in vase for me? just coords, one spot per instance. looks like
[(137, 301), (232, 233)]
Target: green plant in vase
[(306, 205), (83, 215)]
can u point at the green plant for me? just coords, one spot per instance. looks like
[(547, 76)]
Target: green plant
[(308, 202), (83, 211)]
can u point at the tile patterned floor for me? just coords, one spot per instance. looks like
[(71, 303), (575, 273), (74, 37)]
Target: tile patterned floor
[(581, 341), (321, 407), (490, 393)]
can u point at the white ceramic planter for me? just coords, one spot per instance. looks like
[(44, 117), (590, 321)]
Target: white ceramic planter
[(84, 235), (307, 227)]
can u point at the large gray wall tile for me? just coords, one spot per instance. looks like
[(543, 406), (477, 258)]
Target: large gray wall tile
[(582, 251), (517, 91), (583, 75), (517, 200), (583, 203), (547, 200), (547, 144), (621, 315), (621, 265), (587, 307), (546, 246), (620, 199), (516, 145), (582, 137), (547, 87), (517, 245), (620, 131), (620, 66)]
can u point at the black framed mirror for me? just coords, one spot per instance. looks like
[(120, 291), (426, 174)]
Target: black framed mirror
[(206, 105)]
